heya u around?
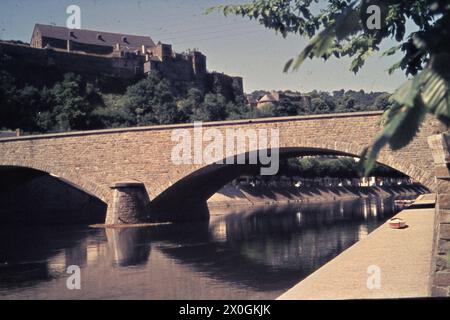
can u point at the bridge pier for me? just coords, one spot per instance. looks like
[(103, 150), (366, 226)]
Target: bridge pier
[(130, 204)]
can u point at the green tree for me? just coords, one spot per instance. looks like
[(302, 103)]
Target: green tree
[(347, 104), (192, 101), (151, 101), (267, 110), (382, 102), (213, 108), (286, 108), (237, 110), (111, 117), (318, 105), (72, 109), (340, 30), (39, 106), (29, 104), (8, 97), (335, 167)]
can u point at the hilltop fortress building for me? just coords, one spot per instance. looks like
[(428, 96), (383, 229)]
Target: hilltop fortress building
[(117, 55)]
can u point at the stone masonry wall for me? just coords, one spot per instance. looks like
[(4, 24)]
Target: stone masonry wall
[(71, 62), (33, 62), (440, 268), (97, 159)]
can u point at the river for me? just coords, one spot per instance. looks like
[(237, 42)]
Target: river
[(243, 254)]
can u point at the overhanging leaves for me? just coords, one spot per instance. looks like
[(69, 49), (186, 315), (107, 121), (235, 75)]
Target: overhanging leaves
[(344, 24), (398, 132), (338, 29), (427, 92)]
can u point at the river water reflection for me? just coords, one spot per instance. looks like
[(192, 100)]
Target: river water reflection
[(244, 254)]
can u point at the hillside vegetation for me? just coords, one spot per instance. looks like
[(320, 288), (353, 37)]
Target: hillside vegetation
[(75, 103)]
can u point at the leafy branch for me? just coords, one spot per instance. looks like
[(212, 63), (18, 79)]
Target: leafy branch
[(339, 29)]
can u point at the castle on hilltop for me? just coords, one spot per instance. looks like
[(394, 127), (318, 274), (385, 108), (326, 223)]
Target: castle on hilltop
[(123, 56)]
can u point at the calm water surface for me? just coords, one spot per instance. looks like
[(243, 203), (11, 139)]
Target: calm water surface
[(247, 254)]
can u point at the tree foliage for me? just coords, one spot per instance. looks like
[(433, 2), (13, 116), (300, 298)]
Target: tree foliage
[(340, 30), (213, 108), (71, 104), (333, 167), (151, 101), (77, 104)]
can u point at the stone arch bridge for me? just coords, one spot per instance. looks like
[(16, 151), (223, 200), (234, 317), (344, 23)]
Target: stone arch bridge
[(126, 168)]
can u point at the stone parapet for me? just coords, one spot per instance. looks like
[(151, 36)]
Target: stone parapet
[(440, 277)]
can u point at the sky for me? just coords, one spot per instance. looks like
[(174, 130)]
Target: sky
[(233, 45)]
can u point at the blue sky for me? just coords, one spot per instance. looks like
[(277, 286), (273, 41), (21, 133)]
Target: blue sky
[(233, 45)]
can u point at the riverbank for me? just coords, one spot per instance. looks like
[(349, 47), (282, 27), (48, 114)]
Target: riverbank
[(248, 196), (388, 263)]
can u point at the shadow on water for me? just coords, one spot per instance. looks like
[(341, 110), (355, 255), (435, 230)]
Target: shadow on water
[(130, 247), (26, 251), (268, 249), (274, 248)]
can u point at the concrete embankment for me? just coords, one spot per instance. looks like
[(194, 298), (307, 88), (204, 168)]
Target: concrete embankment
[(244, 195), (388, 263)]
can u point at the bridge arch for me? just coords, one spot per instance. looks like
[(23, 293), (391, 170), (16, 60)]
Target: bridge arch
[(68, 175), (199, 184), (388, 159), (30, 195)]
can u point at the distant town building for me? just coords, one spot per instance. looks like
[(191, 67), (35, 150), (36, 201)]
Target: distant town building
[(271, 98), (276, 97)]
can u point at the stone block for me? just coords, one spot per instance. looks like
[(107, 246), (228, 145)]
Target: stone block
[(442, 171), (444, 232), (443, 186), (439, 292), (444, 216), (443, 246), (441, 262), (438, 145), (444, 201), (442, 279)]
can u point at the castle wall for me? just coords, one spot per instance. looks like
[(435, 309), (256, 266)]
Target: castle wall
[(162, 51), (178, 68), (72, 62), (229, 87), (90, 48), (199, 63)]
